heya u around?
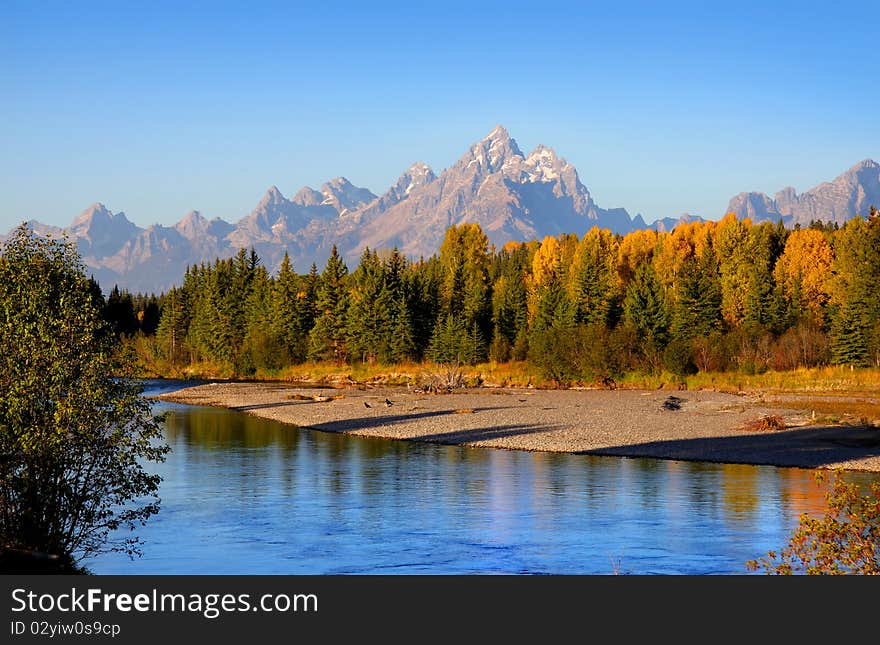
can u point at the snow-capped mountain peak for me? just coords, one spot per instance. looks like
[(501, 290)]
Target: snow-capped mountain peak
[(491, 153), (308, 196), (342, 195), (510, 195)]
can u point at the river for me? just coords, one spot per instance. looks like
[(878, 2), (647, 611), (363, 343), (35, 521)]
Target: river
[(243, 495)]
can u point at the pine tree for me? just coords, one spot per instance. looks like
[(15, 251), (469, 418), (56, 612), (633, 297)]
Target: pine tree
[(849, 344), (327, 338), (854, 290), (262, 346), (236, 279), (119, 312), (402, 345), (307, 300), (698, 307), (396, 268), (285, 321), (764, 248), (510, 314), (369, 315), (473, 346), (173, 327), (423, 302), (148, 312), (465, 283), (644, 308), (554, 309), (448, 342), (594, 278)]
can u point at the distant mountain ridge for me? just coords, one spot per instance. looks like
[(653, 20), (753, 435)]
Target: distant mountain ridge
[(849, 194), (511, 195)]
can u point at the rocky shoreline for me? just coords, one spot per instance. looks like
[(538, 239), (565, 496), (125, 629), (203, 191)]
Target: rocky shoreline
[(691, 425)]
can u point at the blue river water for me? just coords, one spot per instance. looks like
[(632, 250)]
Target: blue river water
[(243, 495)]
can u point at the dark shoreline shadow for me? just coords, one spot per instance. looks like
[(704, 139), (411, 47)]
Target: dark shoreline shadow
[(472, 435), (456, 436), (811, 447)]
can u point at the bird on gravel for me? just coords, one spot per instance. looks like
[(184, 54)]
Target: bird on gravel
[(388, 403), (367, 405)]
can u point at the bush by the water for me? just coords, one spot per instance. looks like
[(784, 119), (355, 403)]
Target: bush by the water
[(845, 540), (74, 432)]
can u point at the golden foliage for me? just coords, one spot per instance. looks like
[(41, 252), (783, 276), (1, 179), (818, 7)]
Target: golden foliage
[(845, 540), (674, 249), (804, 269), (635, 249), (553, 258)]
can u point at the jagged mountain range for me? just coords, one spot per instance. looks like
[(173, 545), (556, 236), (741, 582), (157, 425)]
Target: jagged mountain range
[(511, 195), (852, 193)]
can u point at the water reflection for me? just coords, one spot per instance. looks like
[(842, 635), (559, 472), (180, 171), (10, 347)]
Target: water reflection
[(247, 495)]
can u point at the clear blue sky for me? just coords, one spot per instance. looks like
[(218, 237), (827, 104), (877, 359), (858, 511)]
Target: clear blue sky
[(663, 107)]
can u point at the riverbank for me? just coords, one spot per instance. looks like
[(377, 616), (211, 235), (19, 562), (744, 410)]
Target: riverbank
[(521, 374), (688, 425)]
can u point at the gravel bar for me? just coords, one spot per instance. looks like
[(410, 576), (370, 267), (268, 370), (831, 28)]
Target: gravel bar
[(688, 425)]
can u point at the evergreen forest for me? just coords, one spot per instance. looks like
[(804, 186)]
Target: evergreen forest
[(706, 297)]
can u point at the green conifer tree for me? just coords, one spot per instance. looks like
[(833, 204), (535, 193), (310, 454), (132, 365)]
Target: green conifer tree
[(849, 344), (697, 310), (402, 345), (644, 308), (327, 338)]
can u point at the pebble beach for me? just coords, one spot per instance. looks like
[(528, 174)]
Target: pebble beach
[(689, 425)]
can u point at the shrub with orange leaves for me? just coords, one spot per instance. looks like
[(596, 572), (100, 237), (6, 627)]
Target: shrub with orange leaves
[(846, 540)]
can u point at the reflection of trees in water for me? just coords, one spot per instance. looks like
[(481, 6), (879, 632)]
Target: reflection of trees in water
[(803, 494), (702, 483), (335, 464), (655, 480), (213, 429), (740, 486)]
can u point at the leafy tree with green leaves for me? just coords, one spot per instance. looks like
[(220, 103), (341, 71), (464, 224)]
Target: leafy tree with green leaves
[(76, 438)]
